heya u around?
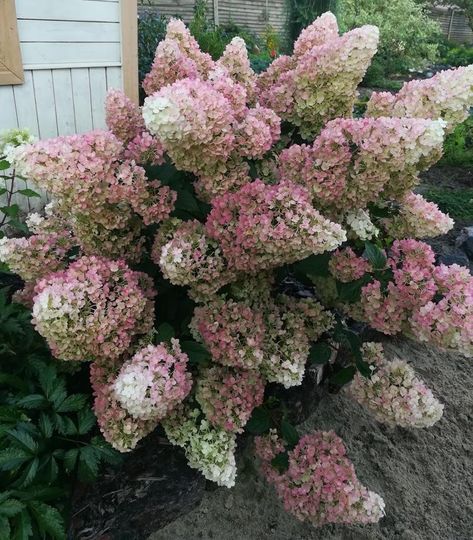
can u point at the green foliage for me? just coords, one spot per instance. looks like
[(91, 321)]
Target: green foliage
[(46, 432), (458, 146), (408, 36), (458, 203), (454, 54), (303, 12)]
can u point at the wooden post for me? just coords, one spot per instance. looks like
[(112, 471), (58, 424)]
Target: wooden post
[(129, 24), (451, 23), (11, 66)]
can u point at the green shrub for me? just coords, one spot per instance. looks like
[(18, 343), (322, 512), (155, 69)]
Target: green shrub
[(453, 54), (47, 427), (151, 30), (458, 203), (408, 36), (458, 147), (303, 12)]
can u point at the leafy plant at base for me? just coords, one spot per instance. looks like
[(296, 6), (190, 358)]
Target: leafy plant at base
[(46, 432)]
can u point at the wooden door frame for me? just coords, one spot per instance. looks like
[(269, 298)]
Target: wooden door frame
[(129, 29), (11, 65)]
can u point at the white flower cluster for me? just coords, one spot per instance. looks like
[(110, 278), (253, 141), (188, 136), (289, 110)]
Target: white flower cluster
[(209, 449), (12, 139), (163, 117), (394, 394), (361, 225)]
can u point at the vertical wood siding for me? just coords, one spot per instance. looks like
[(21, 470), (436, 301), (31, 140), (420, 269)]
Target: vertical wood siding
[(71, 53)]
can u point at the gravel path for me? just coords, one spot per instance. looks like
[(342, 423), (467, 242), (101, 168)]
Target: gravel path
[(425, 476)]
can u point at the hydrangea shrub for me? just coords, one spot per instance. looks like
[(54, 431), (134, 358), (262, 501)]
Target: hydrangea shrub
[(226, 237)]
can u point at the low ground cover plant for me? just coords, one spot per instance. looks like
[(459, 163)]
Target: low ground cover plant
[(228, 235)]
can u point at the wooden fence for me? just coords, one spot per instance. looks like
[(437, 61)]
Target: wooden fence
[(454, 23)]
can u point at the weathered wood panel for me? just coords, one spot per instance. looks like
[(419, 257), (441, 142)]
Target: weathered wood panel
[(454, 24)]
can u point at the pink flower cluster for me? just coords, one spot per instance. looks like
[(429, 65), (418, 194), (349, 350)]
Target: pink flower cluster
[(318, 84), (448, 321), (418, 218), (448, 95), (320, 486), (233, 332), (96, 191), (228, 396), (177, 57), (393, 393), (345, 265), (263, 226), (122, 116), (118, 427), (191, 258), (355, 161), (144, 148), (93, 310), (154, 381), (235, 61)]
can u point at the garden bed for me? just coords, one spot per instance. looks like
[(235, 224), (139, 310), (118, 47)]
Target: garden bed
[(424, 475)]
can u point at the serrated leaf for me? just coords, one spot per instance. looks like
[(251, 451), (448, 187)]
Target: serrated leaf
[(28, 193), (29, 473), (22, 528), (12, 380), (66, 426), (11, 458), (344, 376), (197, 353), (4, 528), (315, 265), (88, 463), (289, 434), (320, 353), (4, 165), (33, 401), (164, 332), (23, 439), (18, 225), (40, 492), (259, 422), (11, 507), (70, 459), (49, 520), (52, 470), (85, 421), (74, 402), (281, 462), (58, 395), (106, 452), (351, 292), (45, 425), (375, 256)]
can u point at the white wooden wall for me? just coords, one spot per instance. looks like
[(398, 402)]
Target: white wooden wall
[(71, 53)]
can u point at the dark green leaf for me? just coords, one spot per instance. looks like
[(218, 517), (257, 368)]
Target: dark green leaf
[(85, 421), (22, 529), (22, 438), (43, 493), (3, 191), (45, 425), (351, 292), (49, 520), (29, 474), (28, 193), (33, 401), (164, 332), (74, 402), (289, 434), (11, 507), (320, 353), (187, 202), (315, 265), (88, 463), (260, 421), (4, 528), (70, 459), (197, 353), (281, 462), (375, 256), (4, 165), (13, 381), (11, 458), (10, 211), (18, 225), (344, 376)]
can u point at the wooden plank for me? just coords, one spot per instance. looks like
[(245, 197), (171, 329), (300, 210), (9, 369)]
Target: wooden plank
[(82, 101), (68, 10), (45, 103), (62, 82), (114, 78), (26, 105), (8, 119), (68, 31), (11, 66), (98, 91), (69, 53), (129, 25)]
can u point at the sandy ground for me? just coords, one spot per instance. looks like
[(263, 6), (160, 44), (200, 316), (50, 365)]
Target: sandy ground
[(425, 476)]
